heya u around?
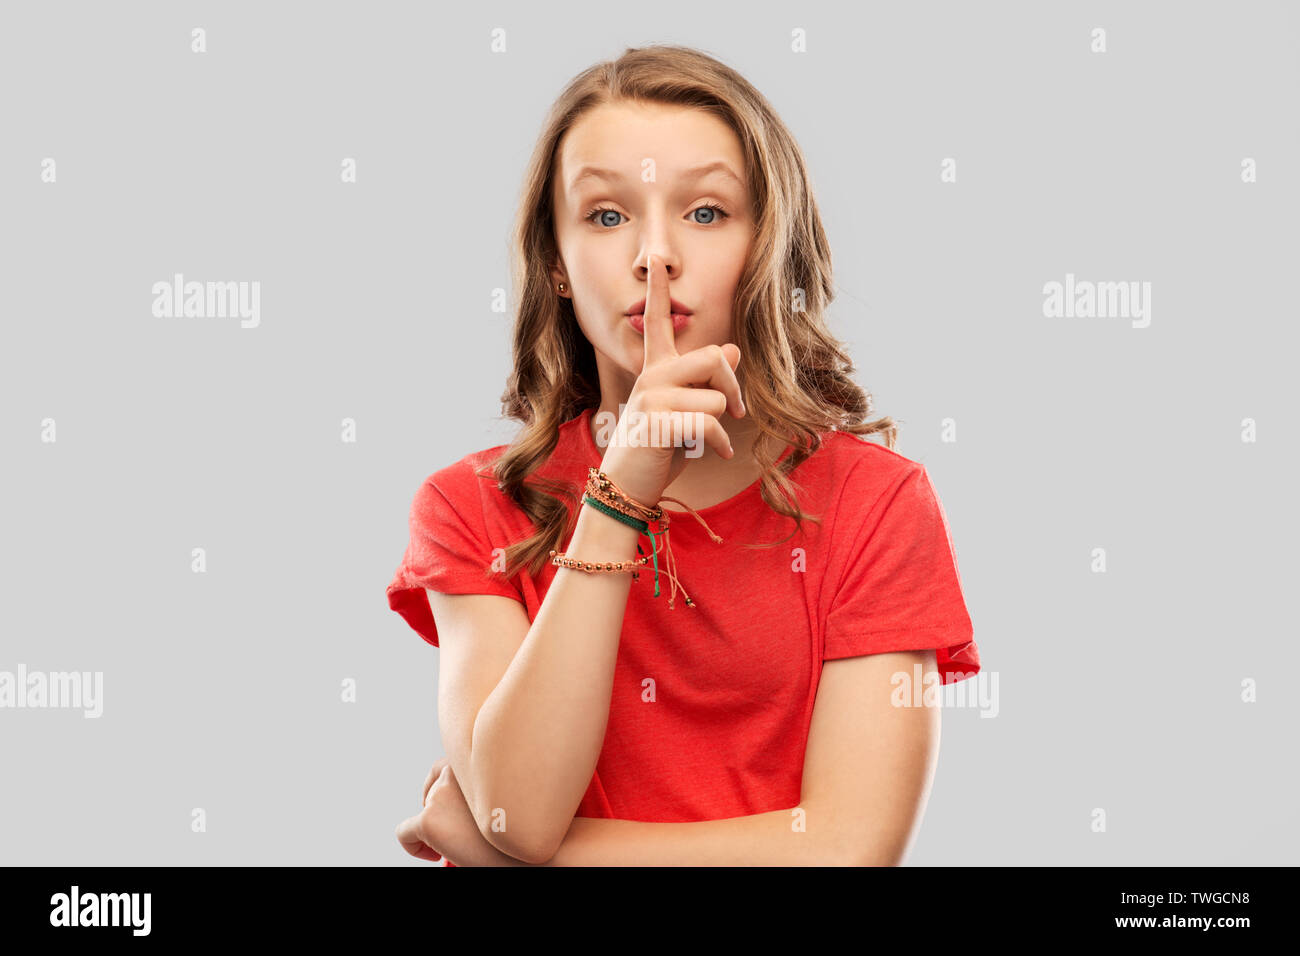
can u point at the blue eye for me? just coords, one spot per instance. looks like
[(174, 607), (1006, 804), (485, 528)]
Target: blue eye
[(599, 210), (715, 211)]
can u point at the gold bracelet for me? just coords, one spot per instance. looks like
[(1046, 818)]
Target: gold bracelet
[(601, 487), (561, 560), (603, 490)]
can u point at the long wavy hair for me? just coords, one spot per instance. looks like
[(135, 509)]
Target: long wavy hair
[(795, 375)]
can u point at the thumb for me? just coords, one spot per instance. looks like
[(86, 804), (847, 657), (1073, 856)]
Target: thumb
[(732, 352)]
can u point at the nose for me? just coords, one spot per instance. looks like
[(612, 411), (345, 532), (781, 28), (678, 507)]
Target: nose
[(667, 258), (657, 242)]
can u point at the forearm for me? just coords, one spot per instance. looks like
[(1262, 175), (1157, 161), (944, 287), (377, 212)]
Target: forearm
[(777, 838), (539, 734)]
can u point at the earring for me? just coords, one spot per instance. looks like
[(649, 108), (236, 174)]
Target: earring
[(563, 286)]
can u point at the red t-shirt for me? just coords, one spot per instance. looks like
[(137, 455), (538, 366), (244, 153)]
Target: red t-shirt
[(735, 678)]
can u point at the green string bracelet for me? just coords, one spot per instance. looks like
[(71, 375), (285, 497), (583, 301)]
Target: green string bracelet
[(631, 522)]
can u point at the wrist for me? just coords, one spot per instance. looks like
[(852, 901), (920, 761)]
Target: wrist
[(645, 495), (598, 537)]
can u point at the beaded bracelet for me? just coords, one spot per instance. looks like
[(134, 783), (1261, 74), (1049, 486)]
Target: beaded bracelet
[(605, 496), (560, 559), (600, 485)]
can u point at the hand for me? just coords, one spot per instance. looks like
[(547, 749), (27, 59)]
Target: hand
[(415, 833), (411, 833), (446, 827), (433, 775), (663, 392)]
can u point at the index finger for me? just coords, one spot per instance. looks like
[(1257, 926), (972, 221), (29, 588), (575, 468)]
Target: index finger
[(660, 340)]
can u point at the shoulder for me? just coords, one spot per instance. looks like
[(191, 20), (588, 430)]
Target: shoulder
[(860, 466), (462, 485), (469, 484), (856, 448), (469, 469), (475, 470), (856, 483)]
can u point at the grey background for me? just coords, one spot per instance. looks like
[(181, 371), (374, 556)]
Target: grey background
[(1118, 690)]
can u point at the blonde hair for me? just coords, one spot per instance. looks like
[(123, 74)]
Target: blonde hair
[(795, 375)]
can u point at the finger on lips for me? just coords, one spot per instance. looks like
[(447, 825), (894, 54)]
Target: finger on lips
[(660, 340), (708, 366)]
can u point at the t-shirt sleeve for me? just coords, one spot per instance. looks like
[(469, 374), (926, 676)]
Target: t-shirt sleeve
[(449, 549), (900, 589)]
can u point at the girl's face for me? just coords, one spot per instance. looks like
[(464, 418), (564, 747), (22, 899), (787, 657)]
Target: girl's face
[(629, 184)]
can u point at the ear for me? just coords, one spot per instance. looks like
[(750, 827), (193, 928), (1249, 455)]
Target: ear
[(558, 275)]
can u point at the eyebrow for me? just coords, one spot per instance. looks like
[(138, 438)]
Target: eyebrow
[(695, 172)]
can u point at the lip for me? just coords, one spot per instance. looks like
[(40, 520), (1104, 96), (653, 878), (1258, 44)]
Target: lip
[(637, 321), (674, 306)]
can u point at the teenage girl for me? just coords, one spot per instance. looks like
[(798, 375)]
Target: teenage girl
[(711, 646)]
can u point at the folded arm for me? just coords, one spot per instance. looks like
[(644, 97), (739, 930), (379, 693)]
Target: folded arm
[(867, 773)]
